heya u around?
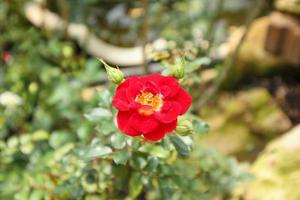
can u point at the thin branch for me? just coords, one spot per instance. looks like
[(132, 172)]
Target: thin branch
[(211, 27), (233, 60), (42, 17), (145, 33)]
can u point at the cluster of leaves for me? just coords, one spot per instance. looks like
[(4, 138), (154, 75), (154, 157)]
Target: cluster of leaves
[(112, 166), (50, 149)]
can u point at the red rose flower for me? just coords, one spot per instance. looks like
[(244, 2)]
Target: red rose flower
[(149, 105)]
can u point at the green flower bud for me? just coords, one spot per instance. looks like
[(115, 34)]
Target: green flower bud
[(178, 69), (115, 75), (184, 127)]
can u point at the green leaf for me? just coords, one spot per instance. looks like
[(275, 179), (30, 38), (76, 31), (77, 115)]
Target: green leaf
[(98, 114), (168, 186), (200, 127), (62, 151), (58, 138), (40, 135), (167, 144), (37, 195), (97, 152), (121, 157), (105, 98), (181, 147), (196, 64), (84, 132), (106, 127), (152, 164), (27, 148), (135, 185), (91, 73), (118, 140), (155, 150), (138, 162)]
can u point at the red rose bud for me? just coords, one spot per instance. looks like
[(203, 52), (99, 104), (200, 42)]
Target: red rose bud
[(149, 105), (184, 127), (177, 70), (114, 75)]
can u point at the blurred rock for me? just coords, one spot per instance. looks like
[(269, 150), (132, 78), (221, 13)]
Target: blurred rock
[(290, 6), (253, 58), (283, 38), (242, 123), (276, 170)]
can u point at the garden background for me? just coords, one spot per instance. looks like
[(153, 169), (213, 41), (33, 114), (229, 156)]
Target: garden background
[(58, 134)]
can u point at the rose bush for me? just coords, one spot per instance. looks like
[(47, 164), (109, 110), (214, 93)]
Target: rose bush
[(149, 105)]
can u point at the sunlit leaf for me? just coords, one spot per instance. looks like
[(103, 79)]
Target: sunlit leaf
[(135, 185), (58, 138), (138, 162), (37, 195), (118, 140), (155, 150), (121, 157), (105, 127), (198, 63), (104, 98), (97, 114), (40, 135), (97, 152)]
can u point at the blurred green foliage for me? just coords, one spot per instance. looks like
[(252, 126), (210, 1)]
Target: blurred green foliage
[(58, 139)]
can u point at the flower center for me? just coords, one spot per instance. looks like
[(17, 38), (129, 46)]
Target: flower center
[(148, 99)]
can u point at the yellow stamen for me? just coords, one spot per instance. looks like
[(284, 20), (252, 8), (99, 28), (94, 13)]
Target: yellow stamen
[(148, 99)]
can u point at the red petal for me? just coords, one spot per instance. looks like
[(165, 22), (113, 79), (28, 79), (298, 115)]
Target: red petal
[(184, 99), (150, 86), (169, 84), (123, 123), (120, 100), (169, 112), (170, 126), (161, 131), (156, 135), (135, 87), (154, 77), (166, 91), (120, 105), (144, 124)]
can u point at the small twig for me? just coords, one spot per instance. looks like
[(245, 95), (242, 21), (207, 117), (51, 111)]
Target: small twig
[(232, 61), (64, 9), (211, 27), (145, 34)]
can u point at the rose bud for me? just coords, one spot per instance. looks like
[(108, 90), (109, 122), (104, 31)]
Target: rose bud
[(178, 69), (184, 127), (114, 75)]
